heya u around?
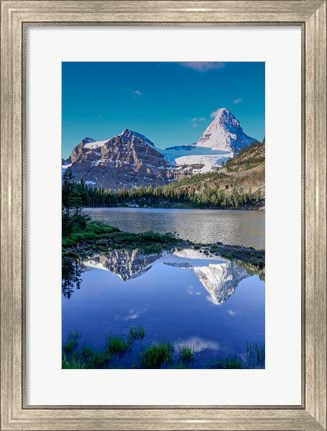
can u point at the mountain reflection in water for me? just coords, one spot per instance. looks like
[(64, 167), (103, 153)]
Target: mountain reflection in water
[(126, 264), (220, 277)]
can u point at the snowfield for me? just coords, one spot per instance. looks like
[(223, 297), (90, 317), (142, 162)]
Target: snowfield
[(95, 145), (195, 155), (208, 162)]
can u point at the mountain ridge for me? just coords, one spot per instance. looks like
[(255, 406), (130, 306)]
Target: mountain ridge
[(130, 159)]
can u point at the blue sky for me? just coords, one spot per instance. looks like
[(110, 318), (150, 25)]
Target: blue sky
[(169, 103)]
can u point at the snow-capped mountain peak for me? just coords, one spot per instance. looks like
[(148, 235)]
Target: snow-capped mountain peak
[(224, 114), (225, 133), (222, 139)]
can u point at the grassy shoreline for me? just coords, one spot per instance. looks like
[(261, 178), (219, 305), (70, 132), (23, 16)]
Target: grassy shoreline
[(99, 237), (97, 234)]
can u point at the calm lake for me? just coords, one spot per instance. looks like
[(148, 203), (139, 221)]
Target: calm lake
[(204, 226)]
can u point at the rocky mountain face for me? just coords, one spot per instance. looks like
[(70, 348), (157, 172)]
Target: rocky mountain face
[(132, 160), (127, 160)]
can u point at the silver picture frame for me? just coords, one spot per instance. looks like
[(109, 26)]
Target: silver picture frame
[(16, 16)]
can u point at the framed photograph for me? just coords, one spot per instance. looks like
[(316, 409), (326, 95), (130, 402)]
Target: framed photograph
[(169, 225), (163, 215)]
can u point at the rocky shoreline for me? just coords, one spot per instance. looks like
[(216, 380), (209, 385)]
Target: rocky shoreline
[(152, 242)]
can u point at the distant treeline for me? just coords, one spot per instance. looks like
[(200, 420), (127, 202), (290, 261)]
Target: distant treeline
[(170, 195)]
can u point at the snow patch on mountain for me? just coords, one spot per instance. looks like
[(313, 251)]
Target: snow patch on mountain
[(173, 153), (64, 167), (208, 163), (94, 145), (194, 155)]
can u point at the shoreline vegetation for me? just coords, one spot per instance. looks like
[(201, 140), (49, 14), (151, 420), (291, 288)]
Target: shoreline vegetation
[(94, 237), (163, 354)]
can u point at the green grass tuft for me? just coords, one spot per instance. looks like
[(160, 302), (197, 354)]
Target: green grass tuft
[(136, 334), (228, 363), (157, 355), (95, 359), (118, 345), (186, 353), (73, 363), (93, 230), (72, 342)]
